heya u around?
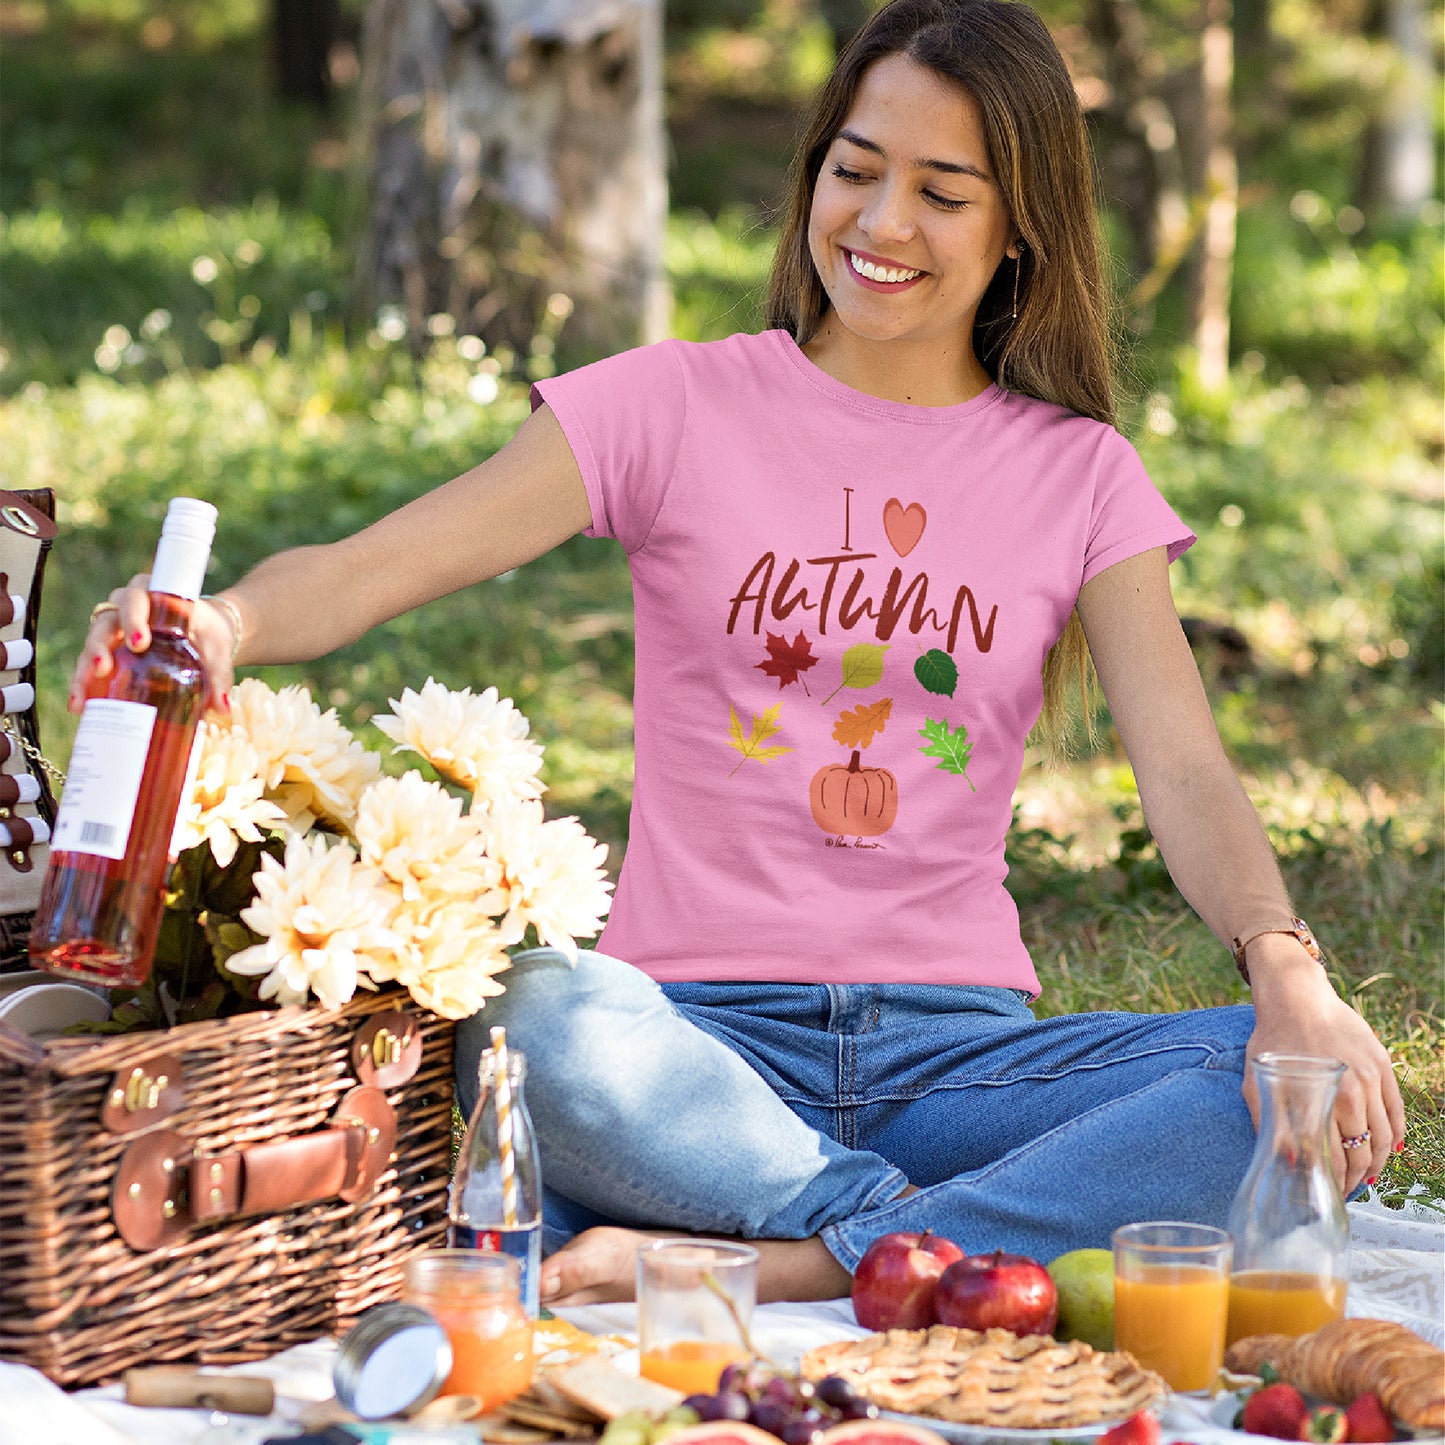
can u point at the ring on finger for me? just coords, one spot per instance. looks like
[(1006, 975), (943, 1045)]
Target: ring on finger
[(101, 608), (1355, 1141)]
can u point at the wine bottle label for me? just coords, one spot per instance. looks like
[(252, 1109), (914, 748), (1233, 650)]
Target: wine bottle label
[(103, 780)]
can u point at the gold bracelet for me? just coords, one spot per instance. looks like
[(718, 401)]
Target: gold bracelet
[(101, 608), (233, 614)]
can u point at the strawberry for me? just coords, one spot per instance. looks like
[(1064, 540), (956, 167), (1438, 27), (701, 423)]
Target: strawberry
[(1140, 1429), (1324, 1425), (1277, 1410), (1367, 1420)]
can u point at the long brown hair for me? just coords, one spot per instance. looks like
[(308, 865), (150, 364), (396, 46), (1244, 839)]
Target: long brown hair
[(1059, 346)]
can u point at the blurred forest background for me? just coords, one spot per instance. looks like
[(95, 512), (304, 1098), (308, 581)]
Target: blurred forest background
[(194, 299)]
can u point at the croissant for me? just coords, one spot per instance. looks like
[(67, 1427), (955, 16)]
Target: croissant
[(1347, 1358)]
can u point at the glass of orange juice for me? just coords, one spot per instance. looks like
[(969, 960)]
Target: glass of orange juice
[(475, 1296), (1171, 1299), (695, 1302)]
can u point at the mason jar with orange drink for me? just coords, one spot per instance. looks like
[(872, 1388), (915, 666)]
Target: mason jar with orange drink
[(475, 1295)]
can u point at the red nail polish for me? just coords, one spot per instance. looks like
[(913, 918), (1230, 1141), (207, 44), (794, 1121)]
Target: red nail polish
[(1400, 1147), (1372, 1179), (135, 639)]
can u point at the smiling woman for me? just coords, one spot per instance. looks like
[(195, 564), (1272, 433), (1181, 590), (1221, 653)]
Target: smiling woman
[(807, 1021)]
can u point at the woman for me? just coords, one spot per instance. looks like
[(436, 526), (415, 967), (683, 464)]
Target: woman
[(867, 547)]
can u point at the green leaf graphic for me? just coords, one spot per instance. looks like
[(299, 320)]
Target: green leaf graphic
[(949, 744), (937, 671), (862, 667)]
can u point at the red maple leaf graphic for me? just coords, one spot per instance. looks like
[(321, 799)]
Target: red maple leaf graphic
[(785, 660)]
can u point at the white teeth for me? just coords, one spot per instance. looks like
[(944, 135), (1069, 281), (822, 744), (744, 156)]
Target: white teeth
[(879, 273)]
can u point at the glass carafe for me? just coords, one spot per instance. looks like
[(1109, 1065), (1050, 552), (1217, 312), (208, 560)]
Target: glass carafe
[(1291, 1234)]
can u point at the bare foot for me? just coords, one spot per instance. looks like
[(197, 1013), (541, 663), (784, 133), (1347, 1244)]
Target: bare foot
[(599, 1266)]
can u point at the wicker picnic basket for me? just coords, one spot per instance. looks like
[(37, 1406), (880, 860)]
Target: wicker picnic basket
[(216, 1192)]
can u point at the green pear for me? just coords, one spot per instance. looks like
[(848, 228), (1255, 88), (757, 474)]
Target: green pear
[(1085, 1282)]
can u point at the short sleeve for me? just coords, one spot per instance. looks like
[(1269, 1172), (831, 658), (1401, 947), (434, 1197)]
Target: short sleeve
[(623, 417), (1129, 514)]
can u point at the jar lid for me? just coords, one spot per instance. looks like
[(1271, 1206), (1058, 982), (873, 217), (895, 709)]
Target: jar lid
[(392, 1361)]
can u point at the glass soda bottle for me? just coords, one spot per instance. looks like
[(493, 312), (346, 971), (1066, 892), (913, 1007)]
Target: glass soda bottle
[(493, 1206), (1291, 1234), (104, 890)]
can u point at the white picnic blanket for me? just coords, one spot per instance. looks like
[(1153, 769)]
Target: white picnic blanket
[(1397, 1272)]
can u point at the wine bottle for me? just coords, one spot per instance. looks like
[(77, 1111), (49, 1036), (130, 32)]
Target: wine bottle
[(104, 891)]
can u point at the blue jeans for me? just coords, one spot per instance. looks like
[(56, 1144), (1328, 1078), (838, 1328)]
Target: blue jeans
[(781, 1111)]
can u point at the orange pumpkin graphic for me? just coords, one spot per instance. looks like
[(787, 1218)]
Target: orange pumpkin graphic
[(854, 800)]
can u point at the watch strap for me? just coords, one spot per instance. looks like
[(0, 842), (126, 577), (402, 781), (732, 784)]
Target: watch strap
[(1296, 927)]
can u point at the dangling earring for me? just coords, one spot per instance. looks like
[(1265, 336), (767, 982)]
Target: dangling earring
[(1018, 266)]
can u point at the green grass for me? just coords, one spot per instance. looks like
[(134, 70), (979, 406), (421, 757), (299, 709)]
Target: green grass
[(175, 318)]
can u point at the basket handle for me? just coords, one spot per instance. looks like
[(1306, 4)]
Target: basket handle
[(163, 1188)]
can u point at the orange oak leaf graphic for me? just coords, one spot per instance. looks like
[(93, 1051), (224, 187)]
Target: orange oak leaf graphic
[(787, 661), (858, 726)]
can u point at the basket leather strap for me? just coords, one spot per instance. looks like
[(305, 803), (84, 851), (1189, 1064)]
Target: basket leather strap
[(163, 1188)]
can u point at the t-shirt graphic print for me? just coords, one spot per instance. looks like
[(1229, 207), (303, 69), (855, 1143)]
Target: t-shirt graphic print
[(853, 801)]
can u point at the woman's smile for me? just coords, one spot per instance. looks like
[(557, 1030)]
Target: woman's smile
[(879, 274)]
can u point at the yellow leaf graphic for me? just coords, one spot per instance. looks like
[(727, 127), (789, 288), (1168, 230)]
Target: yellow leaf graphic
[(765, 724), (858, 726)]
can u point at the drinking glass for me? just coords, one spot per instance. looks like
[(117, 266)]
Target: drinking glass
[(694, 1306), (1171, 1299)]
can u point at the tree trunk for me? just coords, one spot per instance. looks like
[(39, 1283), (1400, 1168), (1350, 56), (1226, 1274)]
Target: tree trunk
[(1143, 156), (1398, 168), (302, 34), (517, 168), (1210, 318)]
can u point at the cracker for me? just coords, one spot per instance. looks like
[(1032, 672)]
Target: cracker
[(602, 1388)]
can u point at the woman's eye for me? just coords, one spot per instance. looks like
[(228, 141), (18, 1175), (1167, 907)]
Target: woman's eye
[(947, 202), (844, 174)]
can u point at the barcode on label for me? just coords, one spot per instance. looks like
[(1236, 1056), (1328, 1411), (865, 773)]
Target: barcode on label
[(99, 835)]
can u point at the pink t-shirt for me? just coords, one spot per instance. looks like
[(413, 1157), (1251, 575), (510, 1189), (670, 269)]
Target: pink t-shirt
[(843, 606)]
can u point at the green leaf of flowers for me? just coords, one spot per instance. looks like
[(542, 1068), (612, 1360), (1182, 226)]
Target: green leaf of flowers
[(862, 667), (951, 745), (937, 671)]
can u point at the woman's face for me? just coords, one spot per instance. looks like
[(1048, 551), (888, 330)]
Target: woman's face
[(908, 224)]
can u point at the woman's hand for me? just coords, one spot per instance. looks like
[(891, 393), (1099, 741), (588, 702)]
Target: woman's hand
[(125, 619), (1297, 1011)]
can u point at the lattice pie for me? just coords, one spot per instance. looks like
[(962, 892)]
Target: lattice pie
[(1013, 1382)]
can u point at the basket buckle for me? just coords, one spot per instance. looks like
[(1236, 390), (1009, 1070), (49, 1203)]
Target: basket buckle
[(164, 1187), (143, 1094), (387, 1049)]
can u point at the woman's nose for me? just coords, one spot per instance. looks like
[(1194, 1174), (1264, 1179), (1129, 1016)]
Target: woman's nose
[(887, 216)]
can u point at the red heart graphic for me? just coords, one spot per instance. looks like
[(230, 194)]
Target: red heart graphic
[(904, 525)]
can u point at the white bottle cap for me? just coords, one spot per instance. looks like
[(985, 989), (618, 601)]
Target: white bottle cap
[(185, 548), (17, 653)]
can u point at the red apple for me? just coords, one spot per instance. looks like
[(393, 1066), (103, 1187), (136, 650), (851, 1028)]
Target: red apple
[(998, 1290), (894, 1282)]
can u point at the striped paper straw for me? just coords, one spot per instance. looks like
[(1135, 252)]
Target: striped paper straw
[(505, 1154)]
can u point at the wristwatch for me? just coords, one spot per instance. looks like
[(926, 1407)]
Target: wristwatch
[(1296, 926)]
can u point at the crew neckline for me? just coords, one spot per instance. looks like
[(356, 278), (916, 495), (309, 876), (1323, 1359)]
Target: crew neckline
[(850, 396)]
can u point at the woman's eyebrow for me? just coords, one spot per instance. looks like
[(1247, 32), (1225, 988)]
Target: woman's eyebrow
[(954, 168)]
